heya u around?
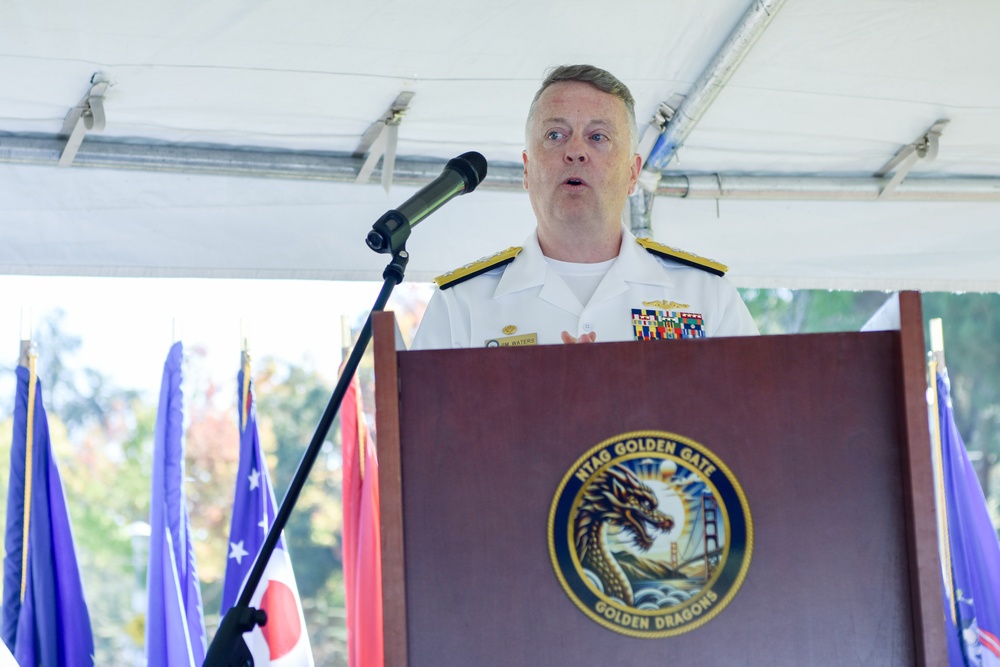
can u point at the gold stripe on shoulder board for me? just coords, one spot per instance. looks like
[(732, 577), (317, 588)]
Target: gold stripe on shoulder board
[(684, 257), (452, 278)]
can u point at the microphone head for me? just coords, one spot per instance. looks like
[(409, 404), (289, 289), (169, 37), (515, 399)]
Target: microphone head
[(471, 166)]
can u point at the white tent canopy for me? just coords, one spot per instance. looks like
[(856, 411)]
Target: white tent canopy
[(230, 131)]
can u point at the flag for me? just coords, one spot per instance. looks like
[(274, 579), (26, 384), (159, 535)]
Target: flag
[(175, 624), (283, 641), (971, 552), (45, 618), (362, 537)]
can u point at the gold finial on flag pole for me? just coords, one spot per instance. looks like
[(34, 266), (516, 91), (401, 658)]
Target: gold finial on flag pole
[(27, 344), (244, 349), (346, 337), (245, 389), (176, 330)]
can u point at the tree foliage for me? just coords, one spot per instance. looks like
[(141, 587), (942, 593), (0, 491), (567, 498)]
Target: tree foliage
[(780, 311)]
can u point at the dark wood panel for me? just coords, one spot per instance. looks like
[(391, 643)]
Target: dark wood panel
[(390, 480), (918, 485), (810, 425)]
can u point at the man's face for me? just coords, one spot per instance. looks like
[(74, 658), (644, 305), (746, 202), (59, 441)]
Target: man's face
[(578, 165)]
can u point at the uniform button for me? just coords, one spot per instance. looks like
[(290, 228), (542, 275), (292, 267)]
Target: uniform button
[(587, 326)]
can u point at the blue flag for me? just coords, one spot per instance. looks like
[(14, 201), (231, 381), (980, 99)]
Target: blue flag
[(175, 625), (45, 619), (283, 640), (971, 553)]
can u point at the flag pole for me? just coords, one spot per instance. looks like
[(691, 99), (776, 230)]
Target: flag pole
[(27, 359), (935, 362), (228, 649), (29, 457), (937, 342)]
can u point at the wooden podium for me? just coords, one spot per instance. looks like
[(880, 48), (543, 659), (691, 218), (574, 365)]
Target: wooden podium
[(827, 434)]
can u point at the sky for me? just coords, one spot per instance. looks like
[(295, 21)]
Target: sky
[(127, 325)]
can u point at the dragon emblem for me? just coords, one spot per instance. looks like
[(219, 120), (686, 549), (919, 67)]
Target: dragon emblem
[(616, 499), (650, 534)]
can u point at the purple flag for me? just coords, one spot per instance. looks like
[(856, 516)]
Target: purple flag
[(283, 641), (175, 625), (45, 618), (972, 582)]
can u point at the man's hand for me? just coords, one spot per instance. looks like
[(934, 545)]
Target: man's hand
[(589, 337)]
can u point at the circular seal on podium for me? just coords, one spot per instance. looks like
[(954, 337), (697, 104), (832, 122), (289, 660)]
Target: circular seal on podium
[(650, 534)]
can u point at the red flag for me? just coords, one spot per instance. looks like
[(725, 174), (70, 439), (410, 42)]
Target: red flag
[(362, 537)]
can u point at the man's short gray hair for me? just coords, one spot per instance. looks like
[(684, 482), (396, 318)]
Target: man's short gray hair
[(601, 79)]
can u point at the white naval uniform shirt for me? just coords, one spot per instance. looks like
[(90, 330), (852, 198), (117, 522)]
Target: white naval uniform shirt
[(528, 297)]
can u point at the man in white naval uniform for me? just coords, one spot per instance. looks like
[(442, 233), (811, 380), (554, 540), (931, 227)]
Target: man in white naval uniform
[(581, 276)]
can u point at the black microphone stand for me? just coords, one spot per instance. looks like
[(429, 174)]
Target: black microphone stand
[(228, 649)]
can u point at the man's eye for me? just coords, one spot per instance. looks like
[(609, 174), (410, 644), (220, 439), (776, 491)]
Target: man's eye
[(599, 136), (554, 135)]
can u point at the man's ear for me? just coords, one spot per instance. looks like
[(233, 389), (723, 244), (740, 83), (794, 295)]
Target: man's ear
[(524, 178), (634, 170)]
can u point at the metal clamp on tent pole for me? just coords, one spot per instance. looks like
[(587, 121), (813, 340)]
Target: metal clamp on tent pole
[(380, 140), (924, 148), (639, 205), (664, 114), (712, 80), (86, 116)]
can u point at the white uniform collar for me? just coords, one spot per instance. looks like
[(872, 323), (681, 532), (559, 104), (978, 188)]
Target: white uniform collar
[(634, 265), (639, 266), (527, 270)]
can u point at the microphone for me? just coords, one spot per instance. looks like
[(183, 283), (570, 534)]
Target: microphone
[(462, 174)]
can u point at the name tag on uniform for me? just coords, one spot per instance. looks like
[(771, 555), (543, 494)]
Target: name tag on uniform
[(513, 341), (653, 324)]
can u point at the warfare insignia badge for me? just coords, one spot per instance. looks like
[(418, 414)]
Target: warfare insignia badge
[(650, 534)]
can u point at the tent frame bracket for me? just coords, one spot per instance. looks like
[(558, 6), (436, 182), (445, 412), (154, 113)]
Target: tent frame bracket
[(925, 147), (380, 140), (87, 116)]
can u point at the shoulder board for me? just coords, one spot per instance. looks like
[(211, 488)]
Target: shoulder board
[(463, 273), (688, 258)]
